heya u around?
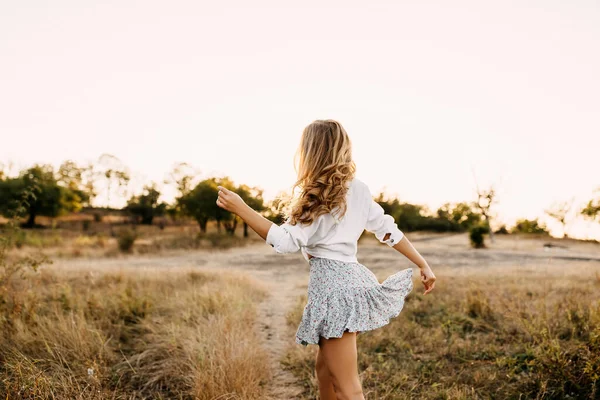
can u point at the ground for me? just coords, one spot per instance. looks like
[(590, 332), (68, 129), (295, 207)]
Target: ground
[(286, 276)]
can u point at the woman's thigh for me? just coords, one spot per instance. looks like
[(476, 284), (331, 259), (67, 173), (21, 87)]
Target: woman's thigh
[(340, 356)]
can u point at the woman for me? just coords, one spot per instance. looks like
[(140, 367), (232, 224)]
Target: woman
[(325, 221)]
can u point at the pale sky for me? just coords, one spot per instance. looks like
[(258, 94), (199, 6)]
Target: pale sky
[(430, 92)]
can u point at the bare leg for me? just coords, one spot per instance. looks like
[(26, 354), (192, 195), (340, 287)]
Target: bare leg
[(340, 356), (326, 391)]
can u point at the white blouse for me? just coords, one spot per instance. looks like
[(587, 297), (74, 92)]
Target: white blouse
[(330, 237)]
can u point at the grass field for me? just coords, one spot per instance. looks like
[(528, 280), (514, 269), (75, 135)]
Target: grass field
[(500, 333), (133, 333), (517, 320)]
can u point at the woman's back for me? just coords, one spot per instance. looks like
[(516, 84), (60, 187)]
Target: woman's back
[(337, 238)]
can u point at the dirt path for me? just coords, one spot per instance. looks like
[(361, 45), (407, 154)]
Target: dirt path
[(277, 335), (282, 275)]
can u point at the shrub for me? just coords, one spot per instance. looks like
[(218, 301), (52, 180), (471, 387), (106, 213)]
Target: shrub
[(529, 226), (476, 236), (19, 238), (502, 230), (126, 238)]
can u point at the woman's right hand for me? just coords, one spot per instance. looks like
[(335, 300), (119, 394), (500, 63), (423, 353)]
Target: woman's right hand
[(427, 278), (229, 200)]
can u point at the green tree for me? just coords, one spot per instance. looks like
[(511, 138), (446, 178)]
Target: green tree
[(229, 220), (275, 210), (146, 206), (182, 177), (254, 198), (414, 217), (200, 202), (47, 197), (486, 199), (529, 226), (90, 182), (72, 177), (592, 209), (560, 212), (476, 237), (409, 216), (462, 214)]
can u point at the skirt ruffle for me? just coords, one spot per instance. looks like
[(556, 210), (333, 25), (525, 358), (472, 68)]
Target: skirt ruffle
[(356, 302)]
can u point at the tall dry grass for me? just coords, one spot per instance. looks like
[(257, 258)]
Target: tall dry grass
[(138, 240), (127, 334), (496, 333)]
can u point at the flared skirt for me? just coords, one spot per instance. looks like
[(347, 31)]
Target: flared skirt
[(347, 296)]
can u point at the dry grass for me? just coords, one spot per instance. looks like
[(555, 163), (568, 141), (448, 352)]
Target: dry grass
[(148, 240), (151, 333), (484, 333)]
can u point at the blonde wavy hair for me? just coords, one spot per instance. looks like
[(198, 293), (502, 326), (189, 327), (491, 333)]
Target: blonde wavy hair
[(323, 162)]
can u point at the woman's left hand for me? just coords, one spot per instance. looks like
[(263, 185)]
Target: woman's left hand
[(427, 278), (229, 200)]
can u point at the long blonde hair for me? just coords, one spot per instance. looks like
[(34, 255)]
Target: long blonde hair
[(324, 166)]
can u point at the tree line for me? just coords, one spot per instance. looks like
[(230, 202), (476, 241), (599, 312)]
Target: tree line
[(72, 187)]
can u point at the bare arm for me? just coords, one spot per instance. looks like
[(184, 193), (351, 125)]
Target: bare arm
[(257, 222), (232, 202), (405, 247)]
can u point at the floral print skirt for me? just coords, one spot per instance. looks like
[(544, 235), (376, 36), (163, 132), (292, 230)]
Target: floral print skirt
[(347, 296)]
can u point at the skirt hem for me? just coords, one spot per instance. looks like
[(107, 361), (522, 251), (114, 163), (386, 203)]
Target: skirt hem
[(363, 309)]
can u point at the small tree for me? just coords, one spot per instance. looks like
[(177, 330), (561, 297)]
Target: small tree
[(146, 206), (69, 175), (89, 177), (486, 198), (476, 236), (200, 202), (126, 239), (560, 212), (275, 210), (72, 177), (115, 174), (252, 197), (592, 209), (229, 220), (529, 226), (413, 217), (182, 176), (47, 197), (462, 214)]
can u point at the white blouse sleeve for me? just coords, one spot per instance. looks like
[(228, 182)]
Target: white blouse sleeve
[(287, 238), (380, 223)]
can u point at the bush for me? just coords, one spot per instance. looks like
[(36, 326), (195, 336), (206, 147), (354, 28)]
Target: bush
[(529, 226), (126, 238), (19, 238), (476, 236), (502, 230)]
